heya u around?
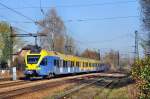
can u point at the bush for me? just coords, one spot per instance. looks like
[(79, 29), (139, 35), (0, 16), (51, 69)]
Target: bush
[(141, 74)]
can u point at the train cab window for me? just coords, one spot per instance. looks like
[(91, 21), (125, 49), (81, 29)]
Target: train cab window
[(44, 62), (33, 59)]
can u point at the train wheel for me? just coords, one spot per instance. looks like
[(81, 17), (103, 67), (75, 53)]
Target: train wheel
[(44, 77), (50, 75), (27, 77)]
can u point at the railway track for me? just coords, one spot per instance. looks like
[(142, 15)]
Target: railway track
[(24, 88), (105, 82), (8, 84)]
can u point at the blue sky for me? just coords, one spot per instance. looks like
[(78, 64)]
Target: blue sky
[(105, 33)]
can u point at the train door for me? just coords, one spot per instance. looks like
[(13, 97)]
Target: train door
[(47, 66), (44, 66)]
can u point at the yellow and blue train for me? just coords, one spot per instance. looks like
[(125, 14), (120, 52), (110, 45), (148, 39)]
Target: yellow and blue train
[(49, 63)]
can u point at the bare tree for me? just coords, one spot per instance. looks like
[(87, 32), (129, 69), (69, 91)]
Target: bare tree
[(54, 27), (90, 54), (111, 58), (145, 8), (70, 46)]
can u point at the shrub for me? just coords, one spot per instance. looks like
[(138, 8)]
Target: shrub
[(141, 74)]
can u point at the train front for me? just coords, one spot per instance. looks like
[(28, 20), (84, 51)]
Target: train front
[(33, 60)]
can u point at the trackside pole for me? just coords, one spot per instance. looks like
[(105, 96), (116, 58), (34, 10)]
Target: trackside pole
[(14, 73)]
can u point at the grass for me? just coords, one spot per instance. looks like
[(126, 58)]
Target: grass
[(120, 90), (119, 93), (105, 93)]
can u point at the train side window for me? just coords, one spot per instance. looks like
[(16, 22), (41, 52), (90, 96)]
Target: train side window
[(55, 62), (65, 63), (68, 63), (44, 62), (86, 63), (61, 63), (72, 63), (89, 64), (58, 63), (77, 64)]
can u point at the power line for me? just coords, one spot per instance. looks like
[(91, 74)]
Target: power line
[(110, 40), (19, 13), (78, 20), (98, 19), (82, 20), (79, 5), (98, 4), (21, 29), (14, 26)]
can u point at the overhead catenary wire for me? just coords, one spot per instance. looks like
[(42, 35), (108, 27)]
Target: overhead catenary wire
[(83, 19), (79, 5), (105, 41), (70, 20), (78, 20), (17, 12)]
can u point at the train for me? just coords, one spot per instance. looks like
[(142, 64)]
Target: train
[(45, 63)]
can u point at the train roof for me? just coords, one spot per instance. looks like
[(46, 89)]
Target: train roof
[(66, 57)]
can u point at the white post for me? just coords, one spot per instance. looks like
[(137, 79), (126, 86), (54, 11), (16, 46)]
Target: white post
[(14, 73)]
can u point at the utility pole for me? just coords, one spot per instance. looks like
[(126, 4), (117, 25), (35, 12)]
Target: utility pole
[(136, 50), (118, 59), (99, 54), (11, 47), (68, 49)]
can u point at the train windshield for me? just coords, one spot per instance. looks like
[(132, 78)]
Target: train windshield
[(33, 59)]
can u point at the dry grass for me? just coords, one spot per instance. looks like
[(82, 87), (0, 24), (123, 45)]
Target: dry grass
[(45, 93), (94, 92), (7, 75), (133, 91)]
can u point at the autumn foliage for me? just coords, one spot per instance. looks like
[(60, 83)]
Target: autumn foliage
[(141, 74), (90, 54)]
